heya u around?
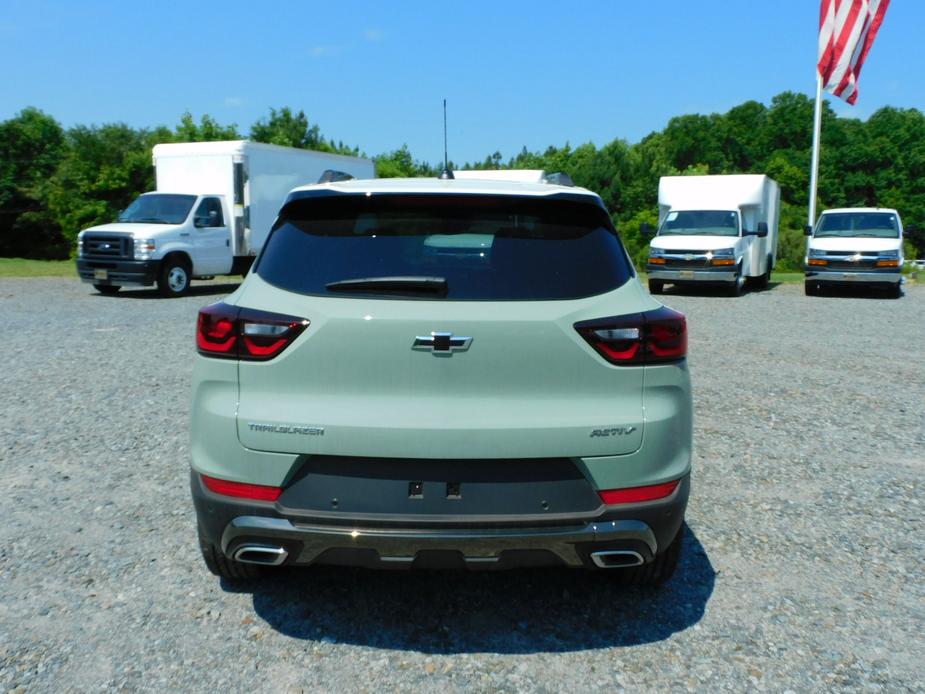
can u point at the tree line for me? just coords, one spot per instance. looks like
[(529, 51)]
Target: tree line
[(56, 181)]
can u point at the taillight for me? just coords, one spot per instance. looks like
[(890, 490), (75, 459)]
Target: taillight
[(243, 333), (653, 337), (631, 495), (241, 490)]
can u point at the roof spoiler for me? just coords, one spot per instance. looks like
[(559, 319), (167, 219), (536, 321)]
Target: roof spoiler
[(333, 176), (559, 178)]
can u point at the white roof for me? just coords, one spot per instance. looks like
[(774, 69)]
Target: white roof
[(886, 210), (436, 185), (521, 175), (228, 147)]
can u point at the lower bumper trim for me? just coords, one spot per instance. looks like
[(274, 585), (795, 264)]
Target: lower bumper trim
[(848, 276), (307, 543), (654, 273)]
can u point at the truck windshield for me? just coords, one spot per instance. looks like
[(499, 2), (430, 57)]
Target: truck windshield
[(158, 209), (700, 223), (850, 224)]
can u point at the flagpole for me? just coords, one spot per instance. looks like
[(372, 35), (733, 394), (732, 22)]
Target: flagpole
[(817, 131)]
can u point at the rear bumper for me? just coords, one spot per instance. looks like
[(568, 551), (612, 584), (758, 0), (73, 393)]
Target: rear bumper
[(390, 541), (719, 274), (118, 272), (886, 276)]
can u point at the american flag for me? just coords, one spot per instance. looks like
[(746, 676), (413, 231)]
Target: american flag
[(847, 29)]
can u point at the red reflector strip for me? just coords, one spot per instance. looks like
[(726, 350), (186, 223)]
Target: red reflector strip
[(256, 492), (635, 494)]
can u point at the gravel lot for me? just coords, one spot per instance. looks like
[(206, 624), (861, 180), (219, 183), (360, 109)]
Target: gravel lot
[(803, 567)]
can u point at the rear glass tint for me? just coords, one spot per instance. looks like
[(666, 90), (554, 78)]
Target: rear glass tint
[(488, 247)]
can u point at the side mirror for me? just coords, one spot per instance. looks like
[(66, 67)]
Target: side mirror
[(762, 229), (808, 230), (645, 229)]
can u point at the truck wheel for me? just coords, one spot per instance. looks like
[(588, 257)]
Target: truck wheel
[(656, 286), (656, 571), (895, 291), (811, 288), (735, 287), (220, 565), (764, 281), (174, 277), (107, 288)]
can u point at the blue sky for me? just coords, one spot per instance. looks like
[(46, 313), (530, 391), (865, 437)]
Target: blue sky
[(374, 74)]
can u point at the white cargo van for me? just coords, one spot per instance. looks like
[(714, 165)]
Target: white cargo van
[(856, 245), (715, 229), (213, 208)]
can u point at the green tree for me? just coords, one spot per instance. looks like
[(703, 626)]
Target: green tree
[(284, 128), (31, 147), (104, 168), (207, 130)]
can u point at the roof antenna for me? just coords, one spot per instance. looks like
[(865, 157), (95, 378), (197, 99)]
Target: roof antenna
[(446, 174)]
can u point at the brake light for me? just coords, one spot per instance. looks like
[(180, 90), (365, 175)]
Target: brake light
[(242, 333), (653, 337), (241, 490), (632, 495)]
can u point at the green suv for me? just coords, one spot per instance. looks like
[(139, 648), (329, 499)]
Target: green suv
[(437, 373)]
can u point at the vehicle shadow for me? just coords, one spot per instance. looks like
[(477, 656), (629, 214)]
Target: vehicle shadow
[(859, 291), (703, 290), (213, 289), (522, 611)]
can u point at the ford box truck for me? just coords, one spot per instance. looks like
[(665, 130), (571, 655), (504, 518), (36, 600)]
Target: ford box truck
[(210, 215)]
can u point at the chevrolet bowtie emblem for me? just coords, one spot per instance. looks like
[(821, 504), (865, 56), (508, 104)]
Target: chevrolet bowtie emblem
[(441, 342)]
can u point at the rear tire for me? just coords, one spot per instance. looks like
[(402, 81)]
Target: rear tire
[(174, 277), (656, 571), (764, 281), (107, 288), (220, 565), (656, 286)]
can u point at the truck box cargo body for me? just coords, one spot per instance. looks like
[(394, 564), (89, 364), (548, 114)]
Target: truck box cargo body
[(715, 229), (213, 209)]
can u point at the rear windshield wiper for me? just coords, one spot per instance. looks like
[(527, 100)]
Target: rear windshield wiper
[(425, 285)]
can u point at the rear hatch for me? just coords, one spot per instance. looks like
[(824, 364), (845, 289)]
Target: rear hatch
[(442, 328)]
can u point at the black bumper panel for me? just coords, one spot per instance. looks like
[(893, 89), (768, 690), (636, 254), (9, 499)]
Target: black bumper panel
[(413, 540), (118, 272)]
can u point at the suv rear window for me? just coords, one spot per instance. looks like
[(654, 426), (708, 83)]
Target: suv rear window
[(482, 247)]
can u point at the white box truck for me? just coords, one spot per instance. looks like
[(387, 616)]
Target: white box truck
[(860, 246), (715, 229), (210, 215)]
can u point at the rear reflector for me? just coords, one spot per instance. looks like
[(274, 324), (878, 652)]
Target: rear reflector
[(256, 492), (653, 337), (632, 495), (242, 333)]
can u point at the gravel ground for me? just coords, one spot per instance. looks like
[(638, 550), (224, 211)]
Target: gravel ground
[(803, 568)]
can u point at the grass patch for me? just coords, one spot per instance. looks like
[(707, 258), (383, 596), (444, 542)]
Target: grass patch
[(786, 276), (23, 267)]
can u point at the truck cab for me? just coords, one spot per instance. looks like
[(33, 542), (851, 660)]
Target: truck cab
[(163, 238), (855, 246)]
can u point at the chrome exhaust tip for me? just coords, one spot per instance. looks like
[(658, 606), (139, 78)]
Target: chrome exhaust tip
[(617, 559), (266, 555)]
